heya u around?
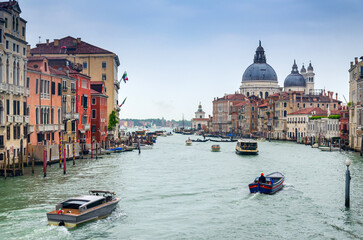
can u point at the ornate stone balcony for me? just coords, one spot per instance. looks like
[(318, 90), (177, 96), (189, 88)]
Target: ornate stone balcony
[(18, 119), (27, 119)]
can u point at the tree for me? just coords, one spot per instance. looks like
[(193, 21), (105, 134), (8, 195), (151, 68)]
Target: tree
[(112, 121)]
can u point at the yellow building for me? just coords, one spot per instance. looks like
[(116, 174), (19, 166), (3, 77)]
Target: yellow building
[(13, 82), (98, 63)]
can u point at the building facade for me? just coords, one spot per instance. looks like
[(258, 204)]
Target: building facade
[(14, 87), (199, 122), (355, 104), (99, 113)]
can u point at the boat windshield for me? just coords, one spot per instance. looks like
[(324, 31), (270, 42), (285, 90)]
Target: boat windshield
[(248, 146), (74, 204)]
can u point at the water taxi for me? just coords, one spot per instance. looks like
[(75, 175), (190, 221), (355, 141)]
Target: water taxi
[(246, 147), (74, 211), (216, 148)]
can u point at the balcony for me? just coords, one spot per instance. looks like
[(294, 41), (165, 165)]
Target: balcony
[(86, 127), (73, 90), (18, 119), (65, 89), (45, 95), (30, 129), (4, 87), (19, 90), (61, 127), (70, 116), (11, 89), (103, 120), (27, 92), (26, 119), (46, 128), (9, 118)]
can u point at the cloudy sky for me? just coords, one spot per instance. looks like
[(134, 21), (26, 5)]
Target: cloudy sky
[(180, 53)]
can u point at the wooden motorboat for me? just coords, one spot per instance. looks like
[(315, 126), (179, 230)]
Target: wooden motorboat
[(246, 147), (274, 182), (328, 149), (74, 211), (188, 142), (216, 148)]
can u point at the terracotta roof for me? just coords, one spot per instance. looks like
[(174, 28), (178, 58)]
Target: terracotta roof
[(335, 112), (68, 45), (263, 105), (95, 92), (236, 96), (54, 71), (312, 110)]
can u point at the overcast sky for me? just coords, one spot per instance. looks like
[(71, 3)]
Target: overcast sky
[(180, 53)]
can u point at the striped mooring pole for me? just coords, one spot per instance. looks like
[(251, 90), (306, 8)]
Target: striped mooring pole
[(74, 151)]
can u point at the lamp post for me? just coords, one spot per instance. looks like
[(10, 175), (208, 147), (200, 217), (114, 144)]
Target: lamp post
[(347, 184)]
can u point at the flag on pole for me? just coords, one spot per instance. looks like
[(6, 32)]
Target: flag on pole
[(124, 77), (123, 102)]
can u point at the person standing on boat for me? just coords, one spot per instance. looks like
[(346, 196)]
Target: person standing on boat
[(262, 178)]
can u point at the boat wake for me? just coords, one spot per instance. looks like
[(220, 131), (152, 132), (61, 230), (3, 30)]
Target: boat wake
[(288, 185)]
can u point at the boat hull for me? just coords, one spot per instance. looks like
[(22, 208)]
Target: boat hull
[(268, 188), (247, 152), (72, 220)]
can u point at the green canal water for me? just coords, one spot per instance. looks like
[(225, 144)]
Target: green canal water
[(188, 192)]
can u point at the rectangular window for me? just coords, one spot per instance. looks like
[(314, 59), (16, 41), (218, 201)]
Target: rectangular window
[(14, 107), (36, 85), (59, 89), (53, 88), (2, 141), (23, 31), (85, 102), (7, 44), (64, 85), (73, 126), (6, 22), (7, 106), (24, 51), (103, 64), (93, 101), (93, 128), (103, 77), (27, 82), (1, 36), (73, 87), (84, 65), (14, 47), (84, 83), (361, 71), (94, 114), (17, 48)]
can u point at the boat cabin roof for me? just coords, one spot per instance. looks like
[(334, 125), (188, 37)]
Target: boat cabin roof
[(247, 141), (82, 200)]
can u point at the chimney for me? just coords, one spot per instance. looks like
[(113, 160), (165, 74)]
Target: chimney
[(28, 50), (47, 42), (356, 60), (336, 96), (78, 40), (56, 42)]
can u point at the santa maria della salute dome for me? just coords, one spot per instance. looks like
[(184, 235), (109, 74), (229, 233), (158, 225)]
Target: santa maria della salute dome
[(259, 78)]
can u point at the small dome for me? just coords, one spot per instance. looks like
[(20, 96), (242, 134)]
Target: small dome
[(310, 68), (303, 70), (294, 79)]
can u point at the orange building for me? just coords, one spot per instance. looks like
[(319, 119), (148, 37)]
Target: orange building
[(44, 103)]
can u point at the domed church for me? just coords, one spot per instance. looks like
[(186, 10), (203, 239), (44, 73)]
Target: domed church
[(259, 78), (303, 81)]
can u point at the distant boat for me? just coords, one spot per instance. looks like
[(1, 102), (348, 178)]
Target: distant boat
[(246, 147), (328, 149), (74, 211), (216, 148), (188, 142), (315, 145), (274, 182)]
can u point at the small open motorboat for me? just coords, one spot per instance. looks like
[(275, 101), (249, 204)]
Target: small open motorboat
[(216, 148), (74, 211), (274, 182), (188, 142)]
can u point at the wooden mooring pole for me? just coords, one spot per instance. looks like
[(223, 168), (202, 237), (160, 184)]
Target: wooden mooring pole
[(5, 163), (14, 165), (27, 152), (74, 152), (60, 155), (45, 161), (32, 161), (64, 159)]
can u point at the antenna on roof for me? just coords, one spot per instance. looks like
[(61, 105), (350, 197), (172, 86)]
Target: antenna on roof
[(39, 38)]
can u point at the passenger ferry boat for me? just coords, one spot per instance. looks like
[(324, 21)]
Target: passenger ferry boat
[(74, 211), (246, 147)]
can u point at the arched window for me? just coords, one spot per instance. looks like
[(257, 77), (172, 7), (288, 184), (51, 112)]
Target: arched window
[(59, 116), (266, 95), (41, 116), (14, 73), (248, 94), (52, 117), (7, 70), (1, 112), (285, 113), (17, 74), (261, 95), (37, 116)]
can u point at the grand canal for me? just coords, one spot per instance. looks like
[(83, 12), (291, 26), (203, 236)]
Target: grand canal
[(178, 192)]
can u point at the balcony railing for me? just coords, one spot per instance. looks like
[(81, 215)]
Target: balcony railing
[(61, 127), (19, 90), (9, 118), (73, 90), (4, 87), (47, 127), (86, 127), (27, 92), (103, 120), (74, 116), (26, 119), (65, 89), (18, 119), (11, 88), (44, 95)]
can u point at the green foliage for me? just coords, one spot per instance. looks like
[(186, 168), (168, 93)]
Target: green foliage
[(317, 117), (334, 116), (349, 104), (112, 121)]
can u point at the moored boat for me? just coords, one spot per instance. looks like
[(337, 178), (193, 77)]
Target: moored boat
[(274, 182), (216, 148), (74, 211), (246, 147)]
